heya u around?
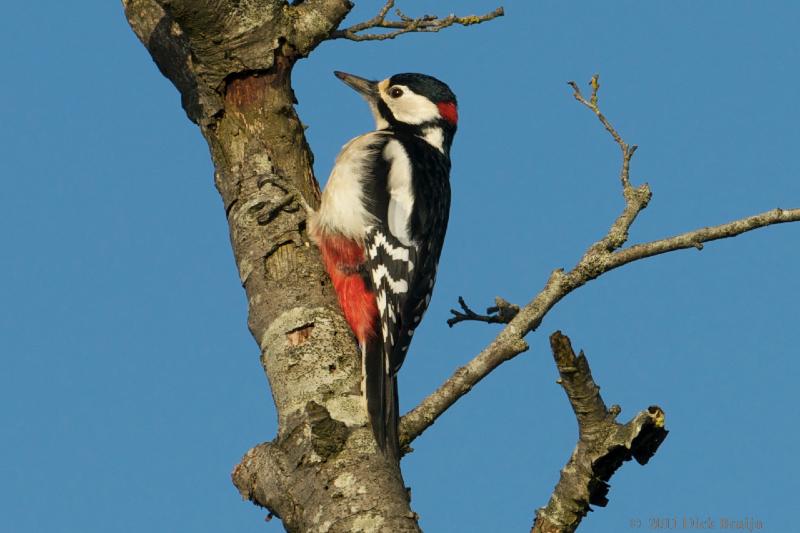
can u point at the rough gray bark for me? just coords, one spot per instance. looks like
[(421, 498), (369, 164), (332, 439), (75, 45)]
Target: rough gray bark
[(232, 63)]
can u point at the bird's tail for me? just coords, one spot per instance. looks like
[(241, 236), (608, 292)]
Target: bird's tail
[(380, 390)]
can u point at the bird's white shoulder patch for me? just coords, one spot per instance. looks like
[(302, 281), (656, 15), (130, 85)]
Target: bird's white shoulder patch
[(401, 192), (342, 209)]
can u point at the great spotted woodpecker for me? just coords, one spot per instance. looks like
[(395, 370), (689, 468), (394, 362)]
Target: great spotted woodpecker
[(381, 226)]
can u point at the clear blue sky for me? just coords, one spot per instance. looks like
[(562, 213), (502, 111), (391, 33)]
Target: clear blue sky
[(130, 386)]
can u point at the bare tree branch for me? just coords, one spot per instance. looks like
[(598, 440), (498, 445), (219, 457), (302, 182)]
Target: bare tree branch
[(502, 312), (603, 444), (635, 199), (601, 257), (425, 23), (696, 238)]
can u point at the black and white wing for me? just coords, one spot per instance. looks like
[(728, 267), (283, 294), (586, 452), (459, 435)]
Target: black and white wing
[(391, 265), (411, 203)]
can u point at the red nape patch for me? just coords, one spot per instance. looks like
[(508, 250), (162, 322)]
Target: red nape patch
[(342, 258), (449, 112)]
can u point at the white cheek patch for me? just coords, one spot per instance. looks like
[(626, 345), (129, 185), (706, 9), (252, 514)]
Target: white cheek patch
[(411, 107)]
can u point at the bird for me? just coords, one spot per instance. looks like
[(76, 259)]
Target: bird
[(381, 226)]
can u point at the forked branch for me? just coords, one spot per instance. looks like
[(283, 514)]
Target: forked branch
[(405, 24), (502, 312), (602, 256), (603, 443)]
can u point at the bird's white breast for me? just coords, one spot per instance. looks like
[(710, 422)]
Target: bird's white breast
[(342, 210)]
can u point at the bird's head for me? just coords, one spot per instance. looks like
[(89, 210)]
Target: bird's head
[(415, 101)]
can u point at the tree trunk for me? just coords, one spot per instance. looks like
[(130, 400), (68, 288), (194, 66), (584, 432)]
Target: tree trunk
[(232, 64)]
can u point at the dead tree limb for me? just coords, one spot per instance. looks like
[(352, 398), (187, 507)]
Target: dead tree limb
[(603, 444)]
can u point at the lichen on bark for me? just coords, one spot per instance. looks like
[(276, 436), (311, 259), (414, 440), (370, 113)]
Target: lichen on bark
[(232, 63)]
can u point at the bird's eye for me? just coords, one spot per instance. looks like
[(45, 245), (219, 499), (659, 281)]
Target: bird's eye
[(395, 92)]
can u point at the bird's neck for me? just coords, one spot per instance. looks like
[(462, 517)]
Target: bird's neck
[(435, 134)]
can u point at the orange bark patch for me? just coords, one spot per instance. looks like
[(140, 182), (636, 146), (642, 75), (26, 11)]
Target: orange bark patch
[(246, 92), (300, 335)]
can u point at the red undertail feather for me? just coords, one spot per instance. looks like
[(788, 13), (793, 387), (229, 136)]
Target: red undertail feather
[(449, 112), (343, 258)]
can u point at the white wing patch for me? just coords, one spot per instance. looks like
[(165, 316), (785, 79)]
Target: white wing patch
[(401, 194)]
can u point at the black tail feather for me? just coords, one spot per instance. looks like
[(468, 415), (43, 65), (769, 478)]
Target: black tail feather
[(392, 418), (374, 373), (381, 395)]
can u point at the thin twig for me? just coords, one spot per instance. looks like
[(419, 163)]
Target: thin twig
[(636, 199), (592, 104), (502, 312), (599, 258), (425, 23)]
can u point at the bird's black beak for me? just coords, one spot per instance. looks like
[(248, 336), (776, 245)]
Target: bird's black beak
[(367, 88)]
